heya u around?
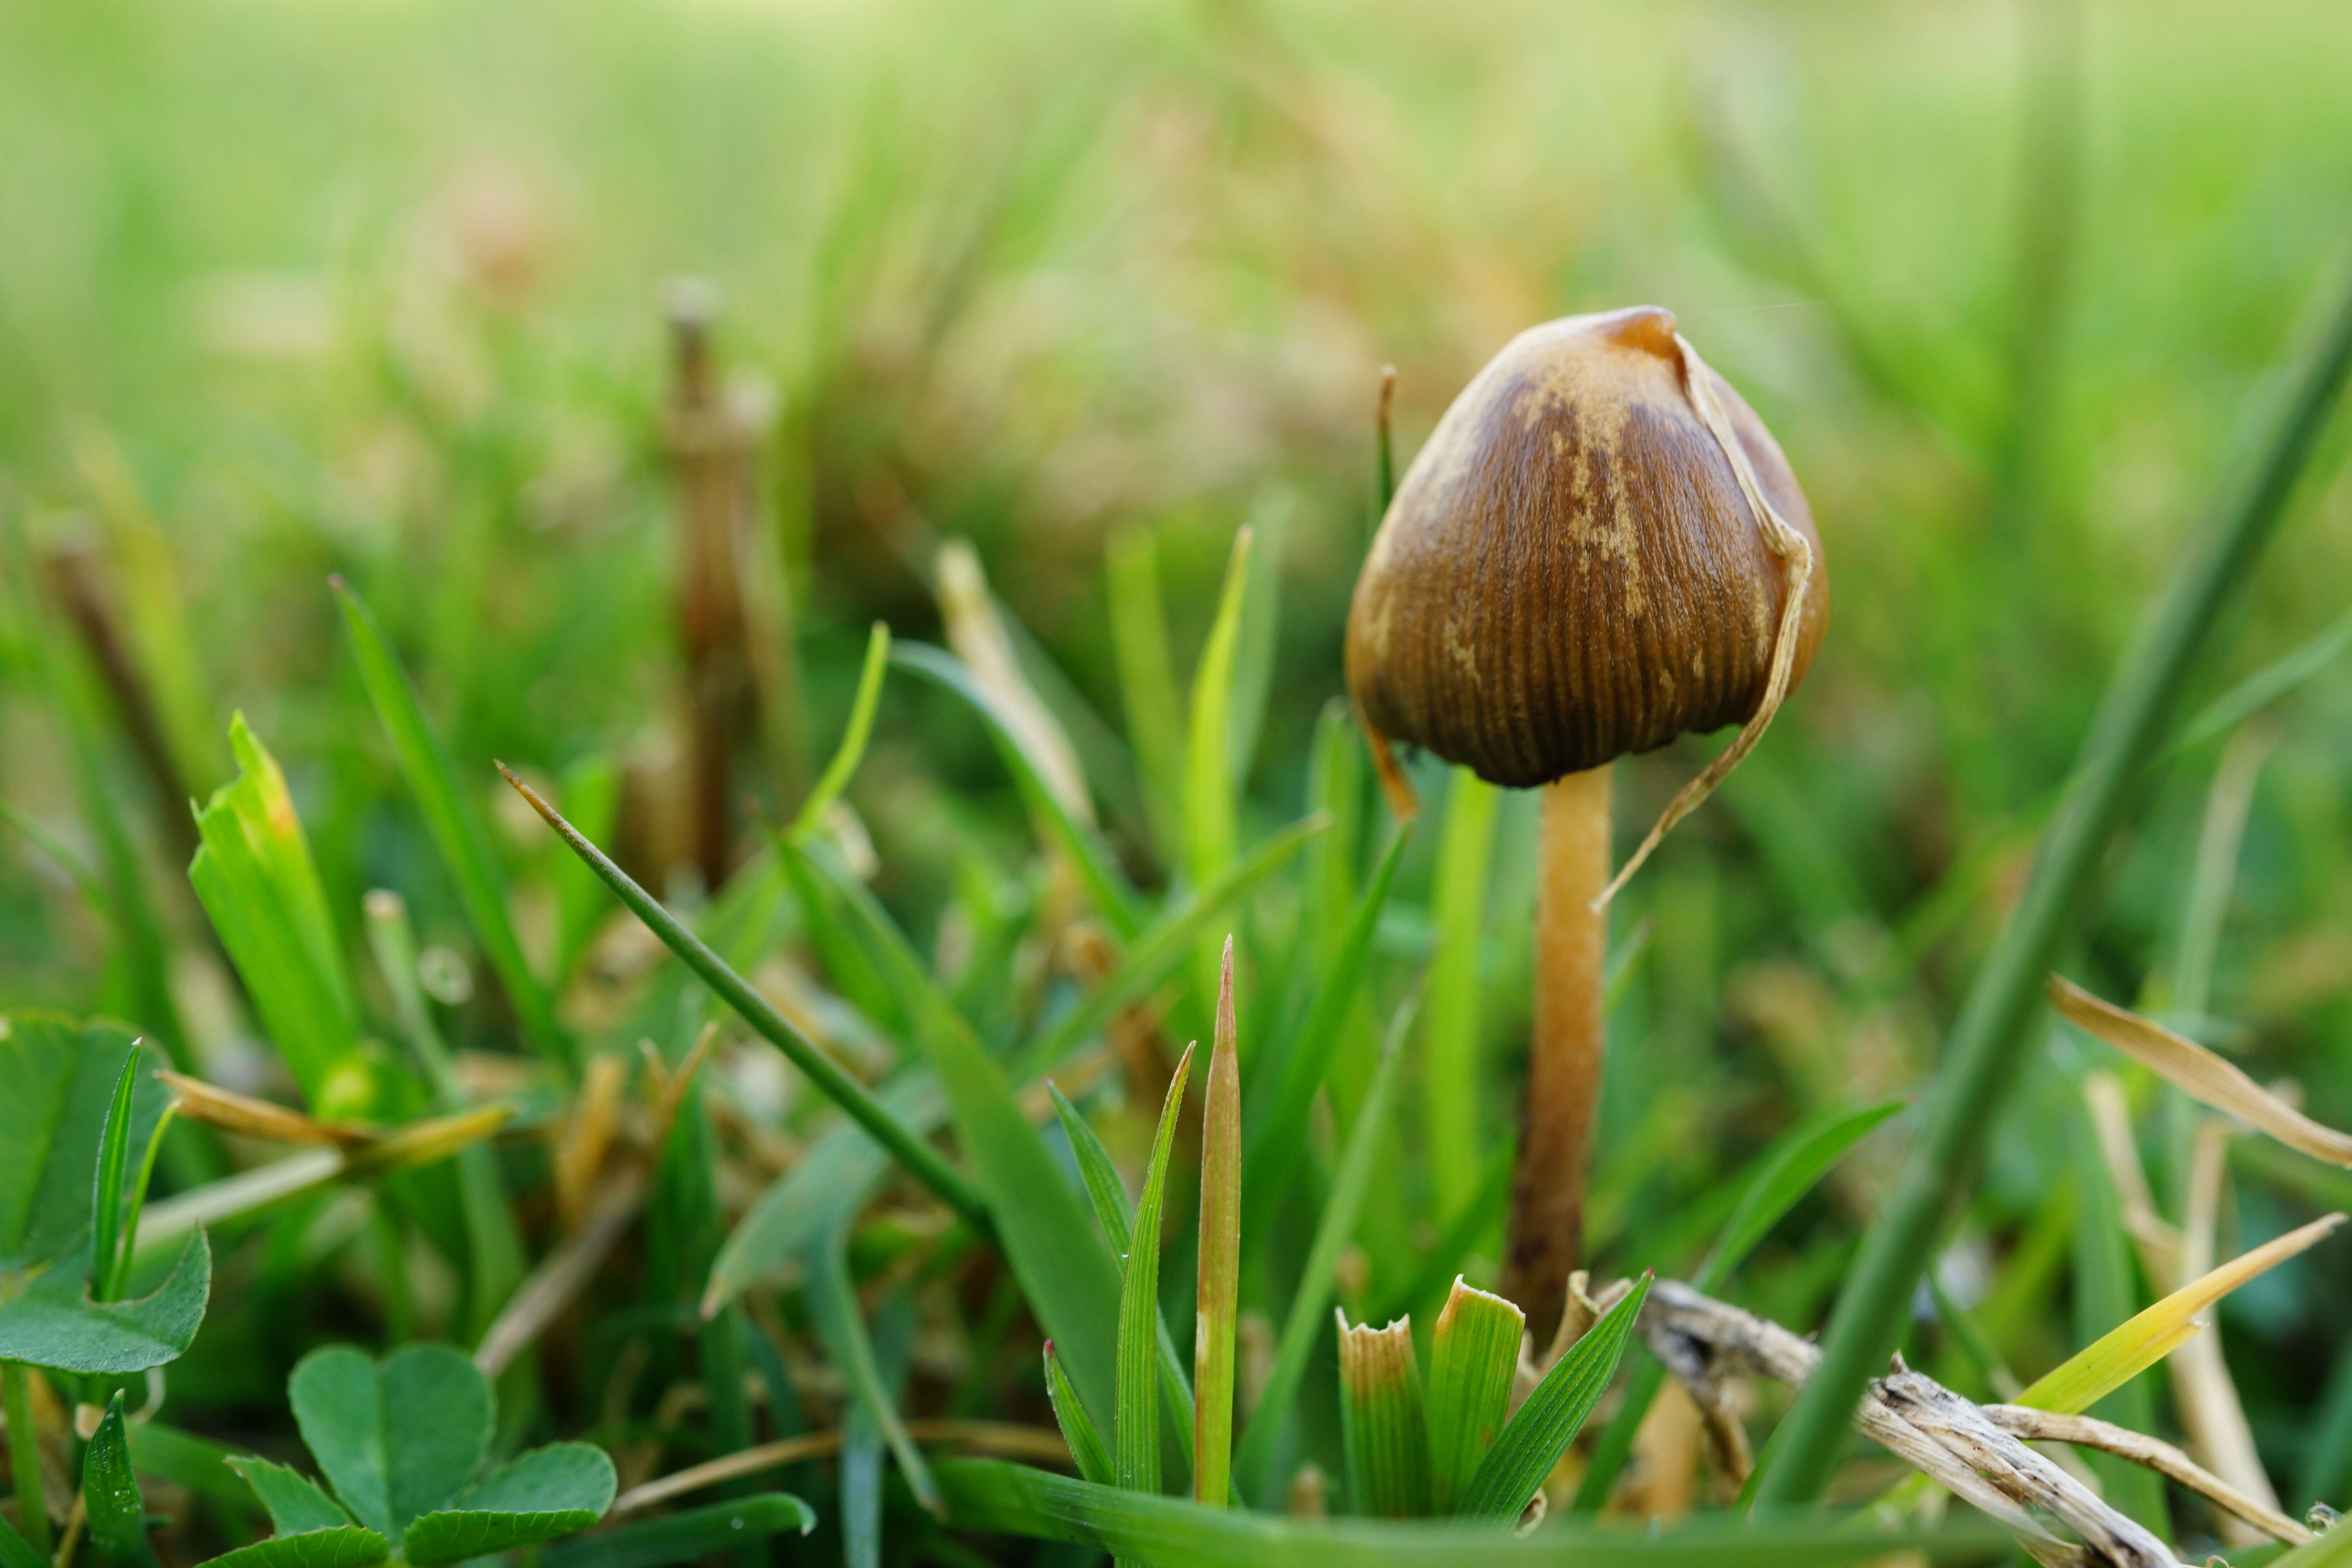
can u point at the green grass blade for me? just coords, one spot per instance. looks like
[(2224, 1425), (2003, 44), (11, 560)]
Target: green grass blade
[(2333, 1550), (110, 1493), (1333, 1231), (106, 1250), (1108, 1197), (852, 751), (1219, 1287), (1162, 945), (1254, 647), (1472, 1356), (995, 1498), (494, 1254), (1146, 683), (2264, 687), (592, 795), (1134, 1426), (1279, 1137), (25, 1454), (258, 883), (1078, 1429), (1982, 1057), (15, 1552), (456, 829), (1382, 1428), (1784, 1172), (1068, 1278), (1507, 1478), (1096, 1171), (832, 1304), (1449, 1050), (686, 1537), (1211, 834), (922, 1162), (1107, 887), (118, 1282), (832, 1179)]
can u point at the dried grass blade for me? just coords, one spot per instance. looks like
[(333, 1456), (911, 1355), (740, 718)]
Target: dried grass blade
[(2198, 1073)]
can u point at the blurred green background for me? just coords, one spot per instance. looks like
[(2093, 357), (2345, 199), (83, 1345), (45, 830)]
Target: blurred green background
[(375, 286)]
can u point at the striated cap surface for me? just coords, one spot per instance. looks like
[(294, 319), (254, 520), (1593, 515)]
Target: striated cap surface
[(1569, 570)]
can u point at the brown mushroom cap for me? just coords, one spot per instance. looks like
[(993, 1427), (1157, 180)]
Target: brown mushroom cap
[(1570, 572)]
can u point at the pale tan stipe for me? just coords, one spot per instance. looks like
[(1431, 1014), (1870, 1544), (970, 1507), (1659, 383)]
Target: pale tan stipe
[(1565, 1052)]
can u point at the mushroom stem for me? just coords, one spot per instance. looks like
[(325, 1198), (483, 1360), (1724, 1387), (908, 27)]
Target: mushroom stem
[(1565, 1056)]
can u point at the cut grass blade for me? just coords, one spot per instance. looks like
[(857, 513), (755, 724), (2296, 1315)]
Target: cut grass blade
[(1507, 1478), (1107, 887), (1299, 1071), (1981, 1057), (1382, 1428), (1472, 1356), (1162, 945), (922, 1162), (2139, 1343), (1069, 1280), (1220, 1243), (2208, 1078), (852, 750), (1449, 1049), (1078, 1429), (1783, 1173), (258, 883), (1135, 1427), (456, 830), (1333, 1231)]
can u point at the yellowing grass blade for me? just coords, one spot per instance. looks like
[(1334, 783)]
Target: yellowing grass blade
[(2124, 1352), (1221, 1247), (2198, 1073)]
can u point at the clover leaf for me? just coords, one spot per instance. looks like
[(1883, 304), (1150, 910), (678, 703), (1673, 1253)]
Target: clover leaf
[(402, 1441)]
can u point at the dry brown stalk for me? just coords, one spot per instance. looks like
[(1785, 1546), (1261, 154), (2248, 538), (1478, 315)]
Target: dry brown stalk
[(1979, 1454)]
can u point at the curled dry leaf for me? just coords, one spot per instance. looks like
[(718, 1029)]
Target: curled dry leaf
[(2198, 1073)]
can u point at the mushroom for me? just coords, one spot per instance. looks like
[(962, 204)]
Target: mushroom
[(1600, 548)]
